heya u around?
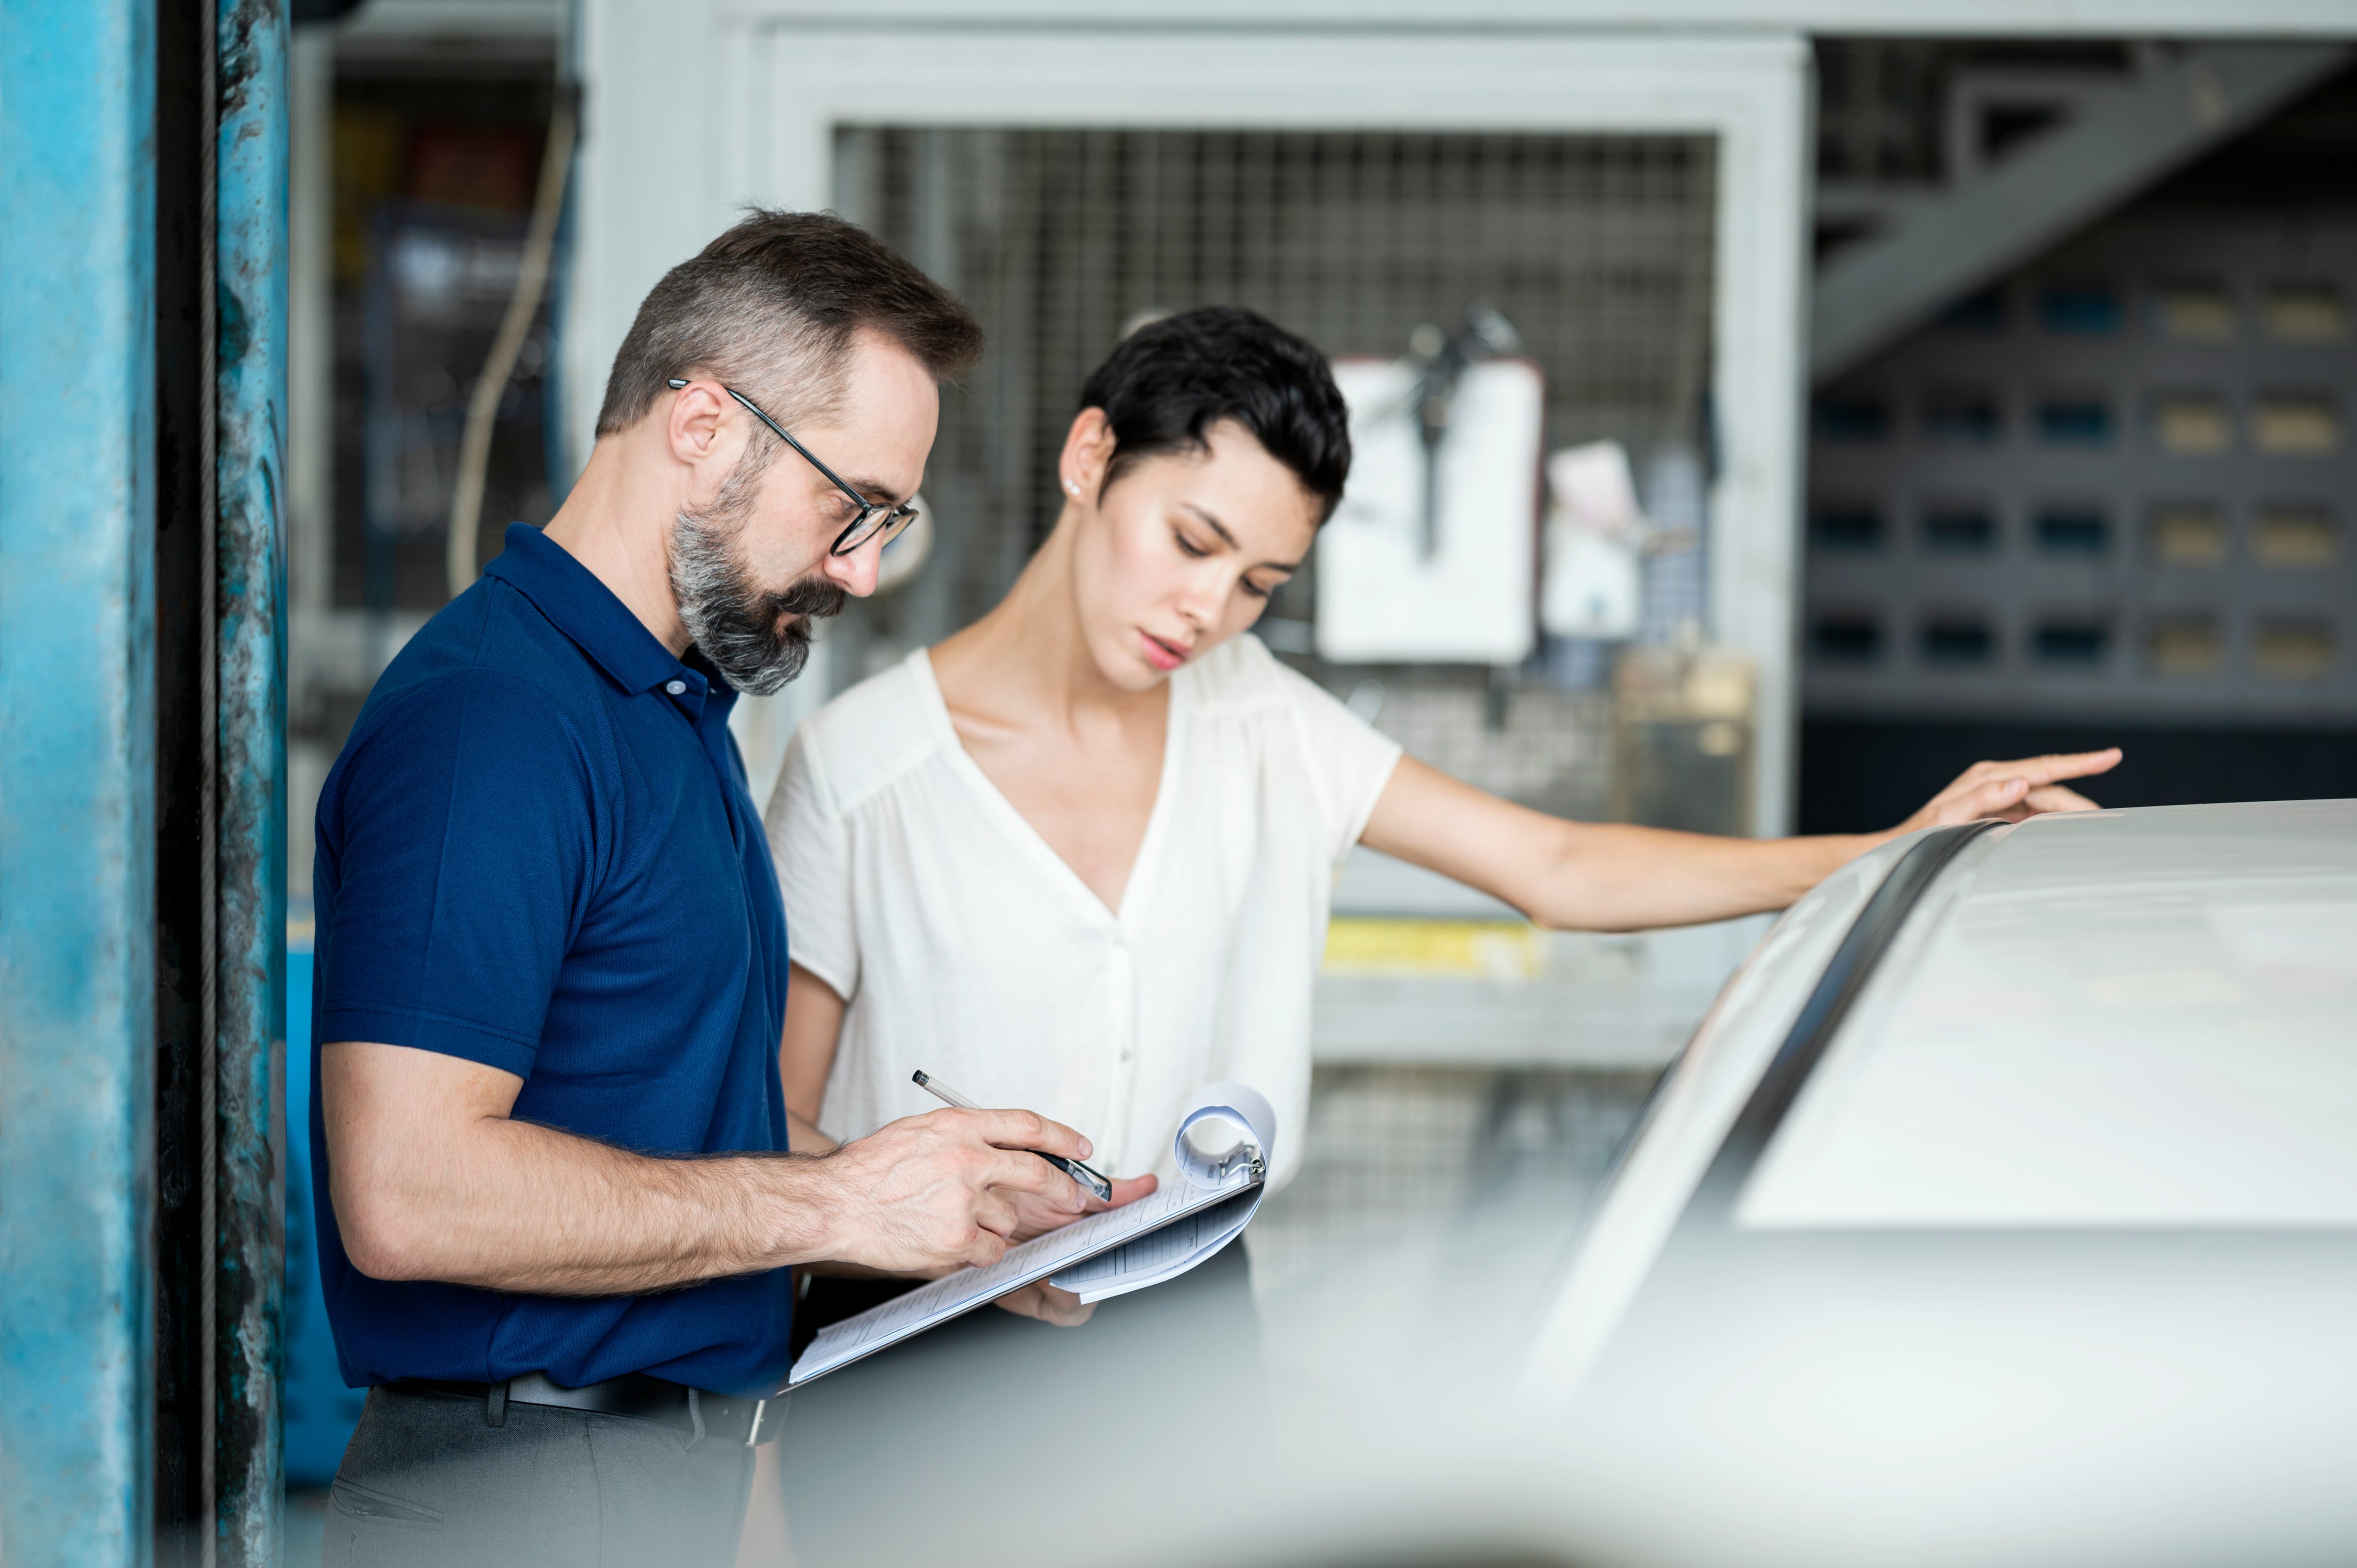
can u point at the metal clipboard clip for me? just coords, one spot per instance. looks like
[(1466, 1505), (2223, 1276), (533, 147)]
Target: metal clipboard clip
[(769, 1415)]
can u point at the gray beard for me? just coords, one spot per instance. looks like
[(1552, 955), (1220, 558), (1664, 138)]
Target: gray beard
[(740, 627)]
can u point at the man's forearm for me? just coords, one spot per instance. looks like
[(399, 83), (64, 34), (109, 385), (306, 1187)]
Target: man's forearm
[(432, 1179), (523, 1208)]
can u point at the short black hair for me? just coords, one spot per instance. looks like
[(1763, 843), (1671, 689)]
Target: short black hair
[(1171, 381)]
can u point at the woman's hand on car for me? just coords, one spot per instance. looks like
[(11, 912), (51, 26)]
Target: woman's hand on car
[(2013, 791)]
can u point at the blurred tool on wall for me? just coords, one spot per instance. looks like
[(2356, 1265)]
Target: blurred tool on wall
[(1429, 556)]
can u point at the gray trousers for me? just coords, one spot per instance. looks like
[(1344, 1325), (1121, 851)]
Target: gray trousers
[(426, 1482)]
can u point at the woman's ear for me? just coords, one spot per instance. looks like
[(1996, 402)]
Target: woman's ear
[(1088, 453)]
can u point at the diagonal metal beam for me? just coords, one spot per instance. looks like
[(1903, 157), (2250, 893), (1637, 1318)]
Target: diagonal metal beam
[(1947, 248)]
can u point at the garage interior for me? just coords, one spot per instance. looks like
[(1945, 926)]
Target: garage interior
[(2073, 454), (2096, 498)]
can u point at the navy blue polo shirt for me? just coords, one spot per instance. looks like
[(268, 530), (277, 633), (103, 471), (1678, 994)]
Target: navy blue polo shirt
[(537, 851)]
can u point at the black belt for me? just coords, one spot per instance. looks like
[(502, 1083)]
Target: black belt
[(750, 1422)]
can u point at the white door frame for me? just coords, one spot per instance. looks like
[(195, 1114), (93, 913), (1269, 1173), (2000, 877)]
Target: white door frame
[(698, 108)]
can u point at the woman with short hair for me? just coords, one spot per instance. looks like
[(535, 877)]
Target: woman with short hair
[(1078, 857)]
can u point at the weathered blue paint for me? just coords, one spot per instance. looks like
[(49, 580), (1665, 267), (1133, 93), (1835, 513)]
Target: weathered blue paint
[(76, 777), (250, 251)]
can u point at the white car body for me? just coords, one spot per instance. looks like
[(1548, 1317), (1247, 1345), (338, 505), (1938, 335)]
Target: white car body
[(2004, 1210)]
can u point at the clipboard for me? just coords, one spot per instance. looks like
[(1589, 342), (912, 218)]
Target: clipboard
[(1222, 1145)]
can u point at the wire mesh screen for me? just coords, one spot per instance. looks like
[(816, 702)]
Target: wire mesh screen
[(1425, 1191), (1400, 1147), (1597, 249)]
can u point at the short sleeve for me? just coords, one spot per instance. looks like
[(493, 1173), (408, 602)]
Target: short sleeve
[(1349, 759), (458, 834), (809, 841)]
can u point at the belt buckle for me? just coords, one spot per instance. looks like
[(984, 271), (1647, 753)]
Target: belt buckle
[(756, 1432)]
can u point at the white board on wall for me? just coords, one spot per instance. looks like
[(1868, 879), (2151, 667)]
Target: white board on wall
[(1382, 597)]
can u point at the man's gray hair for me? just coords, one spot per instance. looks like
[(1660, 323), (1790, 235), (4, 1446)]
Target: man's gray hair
[(770, 307)]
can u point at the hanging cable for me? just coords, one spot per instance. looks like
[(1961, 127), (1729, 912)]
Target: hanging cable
[(483, 403)]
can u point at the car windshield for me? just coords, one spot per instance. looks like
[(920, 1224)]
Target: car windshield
[(2059, 1039)]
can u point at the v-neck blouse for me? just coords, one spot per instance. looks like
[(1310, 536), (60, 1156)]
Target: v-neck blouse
[(966, 947)]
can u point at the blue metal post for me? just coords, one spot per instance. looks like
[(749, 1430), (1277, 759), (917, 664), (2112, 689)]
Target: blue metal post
[(250, 251), (76, 777)]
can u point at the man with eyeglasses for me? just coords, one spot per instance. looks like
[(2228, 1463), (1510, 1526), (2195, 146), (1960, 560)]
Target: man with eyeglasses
[(556, 1207)]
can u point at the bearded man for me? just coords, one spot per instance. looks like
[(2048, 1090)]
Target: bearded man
[(558, 1213)]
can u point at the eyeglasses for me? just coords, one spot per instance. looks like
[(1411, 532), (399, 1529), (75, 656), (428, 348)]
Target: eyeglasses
[(872, 519)]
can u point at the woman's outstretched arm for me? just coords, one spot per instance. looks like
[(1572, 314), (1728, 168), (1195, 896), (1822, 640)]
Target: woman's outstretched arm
[(1611, 877)]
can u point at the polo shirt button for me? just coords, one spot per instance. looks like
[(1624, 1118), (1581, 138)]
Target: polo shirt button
[(676, 688)]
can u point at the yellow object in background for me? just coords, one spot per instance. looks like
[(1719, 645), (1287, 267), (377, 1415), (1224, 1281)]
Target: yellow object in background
[(1508, 951), (2193, 424), (2306, 313), (2297, 536), (2298, 648), (2296, 425), (2189, 535), (2186, 645), (2197, 314)]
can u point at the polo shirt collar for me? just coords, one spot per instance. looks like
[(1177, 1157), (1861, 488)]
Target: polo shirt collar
[(586, 611)]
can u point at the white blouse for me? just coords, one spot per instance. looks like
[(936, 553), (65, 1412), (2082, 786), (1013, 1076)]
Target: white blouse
[(965, 946)]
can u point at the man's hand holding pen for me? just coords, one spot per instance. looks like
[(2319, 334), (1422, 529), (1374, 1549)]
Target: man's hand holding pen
[(951, 1188), (1036, 1219), (1042, 1300), (928, 1194)]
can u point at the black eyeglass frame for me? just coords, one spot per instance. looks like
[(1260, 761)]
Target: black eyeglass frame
[(896, 517)]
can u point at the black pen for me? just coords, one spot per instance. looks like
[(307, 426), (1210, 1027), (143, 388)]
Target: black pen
[(1073, 1168)]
